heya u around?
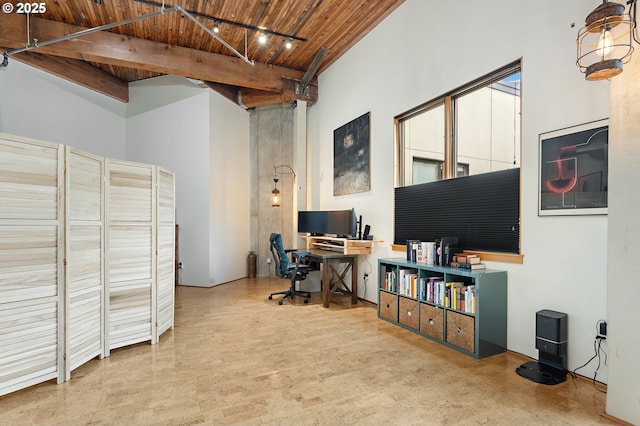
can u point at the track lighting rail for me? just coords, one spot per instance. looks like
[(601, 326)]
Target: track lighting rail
[(37, 43)]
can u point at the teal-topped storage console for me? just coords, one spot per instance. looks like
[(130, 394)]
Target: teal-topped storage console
[(463, 309)]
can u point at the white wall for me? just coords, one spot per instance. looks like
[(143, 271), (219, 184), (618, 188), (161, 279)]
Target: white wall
[(169, 122), (204, 139), (229, 191), (39, 105), (168, 125), (424, 49), (623, 339)]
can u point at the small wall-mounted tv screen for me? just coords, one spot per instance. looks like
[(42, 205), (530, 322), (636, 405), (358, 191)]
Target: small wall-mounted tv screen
[(335, 222)]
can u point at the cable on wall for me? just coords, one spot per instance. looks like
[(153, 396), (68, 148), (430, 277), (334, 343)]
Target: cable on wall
[(598, 350)]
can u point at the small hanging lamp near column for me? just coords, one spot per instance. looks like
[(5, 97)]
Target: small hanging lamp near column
[(275, 194), (605, 43)]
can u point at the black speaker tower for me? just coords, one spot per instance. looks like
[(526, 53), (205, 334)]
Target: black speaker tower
[(551, 342)]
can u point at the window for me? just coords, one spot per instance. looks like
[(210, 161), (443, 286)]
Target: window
[(476, 126), (425, 170), (472, 130), (487, 125)]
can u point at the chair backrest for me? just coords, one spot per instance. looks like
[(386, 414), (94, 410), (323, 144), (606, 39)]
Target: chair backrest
[(279, 255)]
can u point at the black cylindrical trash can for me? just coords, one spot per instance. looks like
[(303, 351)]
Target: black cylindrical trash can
[(251, 265)]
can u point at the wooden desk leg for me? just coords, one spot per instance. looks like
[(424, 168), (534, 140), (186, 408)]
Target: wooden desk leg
[(354, 280), (326, 282)]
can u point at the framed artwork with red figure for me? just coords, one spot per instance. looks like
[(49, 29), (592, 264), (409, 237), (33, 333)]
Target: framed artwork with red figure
[(573, 170)]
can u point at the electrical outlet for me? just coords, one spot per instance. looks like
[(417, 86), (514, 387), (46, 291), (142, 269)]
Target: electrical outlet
[(602, 329), (268, 260), (180, 265)]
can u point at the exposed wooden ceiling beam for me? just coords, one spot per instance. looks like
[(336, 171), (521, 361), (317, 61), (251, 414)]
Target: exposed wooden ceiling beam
[(315, 65), (114, 49), (229, 92), (78, 72), (252, 98)]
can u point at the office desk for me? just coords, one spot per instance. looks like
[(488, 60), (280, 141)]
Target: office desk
[(329, 261)]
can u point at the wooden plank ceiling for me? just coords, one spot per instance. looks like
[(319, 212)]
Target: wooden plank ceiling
[(320, 31)]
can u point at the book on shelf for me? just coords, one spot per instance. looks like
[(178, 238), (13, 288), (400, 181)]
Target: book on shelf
[(466, 258), (408, 282), (471, 266), (412, 250), (432, 289), (460, 296), (470, 296), (426, 252), (453, 300), (409, 285), (435, 290), (390, 280)]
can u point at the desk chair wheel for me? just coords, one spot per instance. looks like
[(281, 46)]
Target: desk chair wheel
[(270, 297), (280, 302), (306, 300)]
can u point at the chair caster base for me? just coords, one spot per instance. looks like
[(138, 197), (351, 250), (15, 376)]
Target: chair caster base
[(291, 293)]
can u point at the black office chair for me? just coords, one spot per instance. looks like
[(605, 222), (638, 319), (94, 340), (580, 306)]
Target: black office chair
[(285, 268)]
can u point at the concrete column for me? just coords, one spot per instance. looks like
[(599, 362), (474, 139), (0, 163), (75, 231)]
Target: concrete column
[(300, 161), (623, 247), (272, 144)]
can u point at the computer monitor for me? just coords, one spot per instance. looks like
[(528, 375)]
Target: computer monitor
[(312, 222), (342, 223)]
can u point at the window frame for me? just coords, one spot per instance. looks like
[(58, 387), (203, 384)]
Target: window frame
[(448, 99), (450, 144), (440, 165)]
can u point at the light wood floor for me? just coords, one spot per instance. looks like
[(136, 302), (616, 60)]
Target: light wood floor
[(236, 357)]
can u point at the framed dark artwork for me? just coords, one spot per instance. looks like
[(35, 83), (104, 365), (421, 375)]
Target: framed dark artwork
[(351, 161), (573, 170)]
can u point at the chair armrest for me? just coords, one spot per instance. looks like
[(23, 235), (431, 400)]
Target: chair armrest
[(299, 255)]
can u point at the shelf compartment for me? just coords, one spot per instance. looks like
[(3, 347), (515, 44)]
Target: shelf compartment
[(461, 330), (388, 306), (408, 312), (432, 321)]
